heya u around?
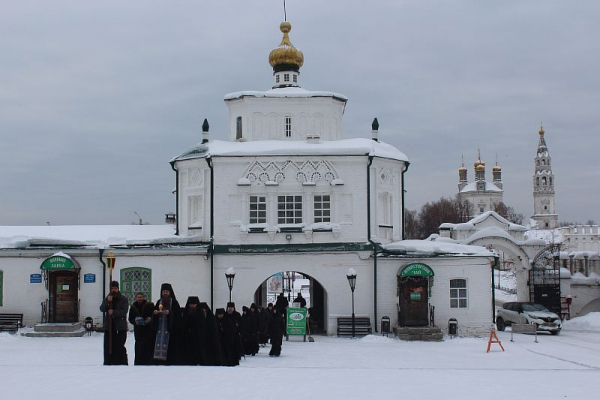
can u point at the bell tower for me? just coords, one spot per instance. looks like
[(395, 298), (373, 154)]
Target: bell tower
[(543, 188)]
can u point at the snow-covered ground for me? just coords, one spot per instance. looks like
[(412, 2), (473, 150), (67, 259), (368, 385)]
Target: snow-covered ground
[(558, 367)]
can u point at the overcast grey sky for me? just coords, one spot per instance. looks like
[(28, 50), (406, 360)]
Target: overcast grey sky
[(97, 96)]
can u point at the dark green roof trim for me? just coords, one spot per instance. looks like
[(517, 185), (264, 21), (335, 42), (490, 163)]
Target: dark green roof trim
[(292, 248)]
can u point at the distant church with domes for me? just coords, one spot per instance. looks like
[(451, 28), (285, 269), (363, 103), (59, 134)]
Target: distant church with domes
[(482, 195)]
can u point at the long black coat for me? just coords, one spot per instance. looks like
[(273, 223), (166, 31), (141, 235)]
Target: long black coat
[(229, 338), (143, 331), (192, 330), (175, 336), (209, 337)]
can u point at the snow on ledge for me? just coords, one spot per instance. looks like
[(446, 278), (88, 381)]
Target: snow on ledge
[(435, 247)]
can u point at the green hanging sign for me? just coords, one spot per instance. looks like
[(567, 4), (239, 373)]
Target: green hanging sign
[(296, 321), (57, 262), (416, 269)]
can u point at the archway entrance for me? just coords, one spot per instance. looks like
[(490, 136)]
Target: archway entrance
[(290, 283), (413, 294)]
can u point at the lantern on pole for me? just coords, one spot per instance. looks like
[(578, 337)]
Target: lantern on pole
[(230, 276), (351, 275), (110, 264)]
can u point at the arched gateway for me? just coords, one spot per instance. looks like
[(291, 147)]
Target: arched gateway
[(290, 283)]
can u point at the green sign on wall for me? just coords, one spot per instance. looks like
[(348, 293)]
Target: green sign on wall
[(57, 262), (416, 269), (296, 321)]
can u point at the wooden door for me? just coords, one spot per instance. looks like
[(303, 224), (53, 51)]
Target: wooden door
[(63, 297), (414, 295)]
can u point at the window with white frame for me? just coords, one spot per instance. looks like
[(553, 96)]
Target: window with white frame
[(295, 78), (289, 209), (258, 209), (277, 78), (288, 126), (458, 293), (286, 77), (322, 208)]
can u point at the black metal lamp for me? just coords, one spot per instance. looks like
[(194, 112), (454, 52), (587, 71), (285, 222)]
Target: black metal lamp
[(351, 275), (230, 276)]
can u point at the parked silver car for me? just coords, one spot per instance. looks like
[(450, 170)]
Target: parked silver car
[(528, 313)]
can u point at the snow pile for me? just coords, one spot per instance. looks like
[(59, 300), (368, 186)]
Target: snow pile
[(97, 236), (435, 247), (590, 321)]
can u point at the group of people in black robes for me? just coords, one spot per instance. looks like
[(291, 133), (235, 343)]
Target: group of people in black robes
[(166, 334)]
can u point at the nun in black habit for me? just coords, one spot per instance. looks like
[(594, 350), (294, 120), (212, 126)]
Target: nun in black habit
[(209, 337), (192, 329), (229, 338)]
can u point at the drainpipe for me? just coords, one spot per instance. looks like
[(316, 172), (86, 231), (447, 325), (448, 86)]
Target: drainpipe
[(101, 253), (495, 264), (176, 198), (212, 230), (406, 165), (375, 245)]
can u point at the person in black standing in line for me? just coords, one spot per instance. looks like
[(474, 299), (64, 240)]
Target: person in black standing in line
[(140, 316), (276, 328), (236, 318), (193, 352), (115, 305), (228, 337), (171, 310), (281, 305)]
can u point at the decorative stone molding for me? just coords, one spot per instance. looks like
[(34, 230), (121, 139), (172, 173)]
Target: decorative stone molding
[(308, 173)]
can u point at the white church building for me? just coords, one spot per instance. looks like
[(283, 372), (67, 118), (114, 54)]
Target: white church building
[(285, 192)]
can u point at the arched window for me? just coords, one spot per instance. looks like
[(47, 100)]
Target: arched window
[(537, 181), (550, 181), (135, 280), (544, 181), (238, 128), (543, 162), (458, 293)]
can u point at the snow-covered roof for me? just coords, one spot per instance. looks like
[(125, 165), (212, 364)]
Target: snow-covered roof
[(94, 236), (289, 92), (430, 247), (345, 147), (472, 187), (471, 225)]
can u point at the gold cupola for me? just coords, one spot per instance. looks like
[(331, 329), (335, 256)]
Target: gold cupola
[(286, 57), (541, 130)]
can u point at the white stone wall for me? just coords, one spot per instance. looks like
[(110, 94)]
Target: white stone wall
[(474, 320), (189, 274), (263, 118)]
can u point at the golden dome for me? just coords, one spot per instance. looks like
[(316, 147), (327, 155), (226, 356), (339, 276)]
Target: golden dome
[(286, 56), (541, 131), (480, 167), (478, 163), (496, 169), (462, 169)]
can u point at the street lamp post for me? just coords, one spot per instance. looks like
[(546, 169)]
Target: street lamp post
[(351, 275), (230, 276)]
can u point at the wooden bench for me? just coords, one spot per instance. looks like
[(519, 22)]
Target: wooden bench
[(11, 322), (362, 326)]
